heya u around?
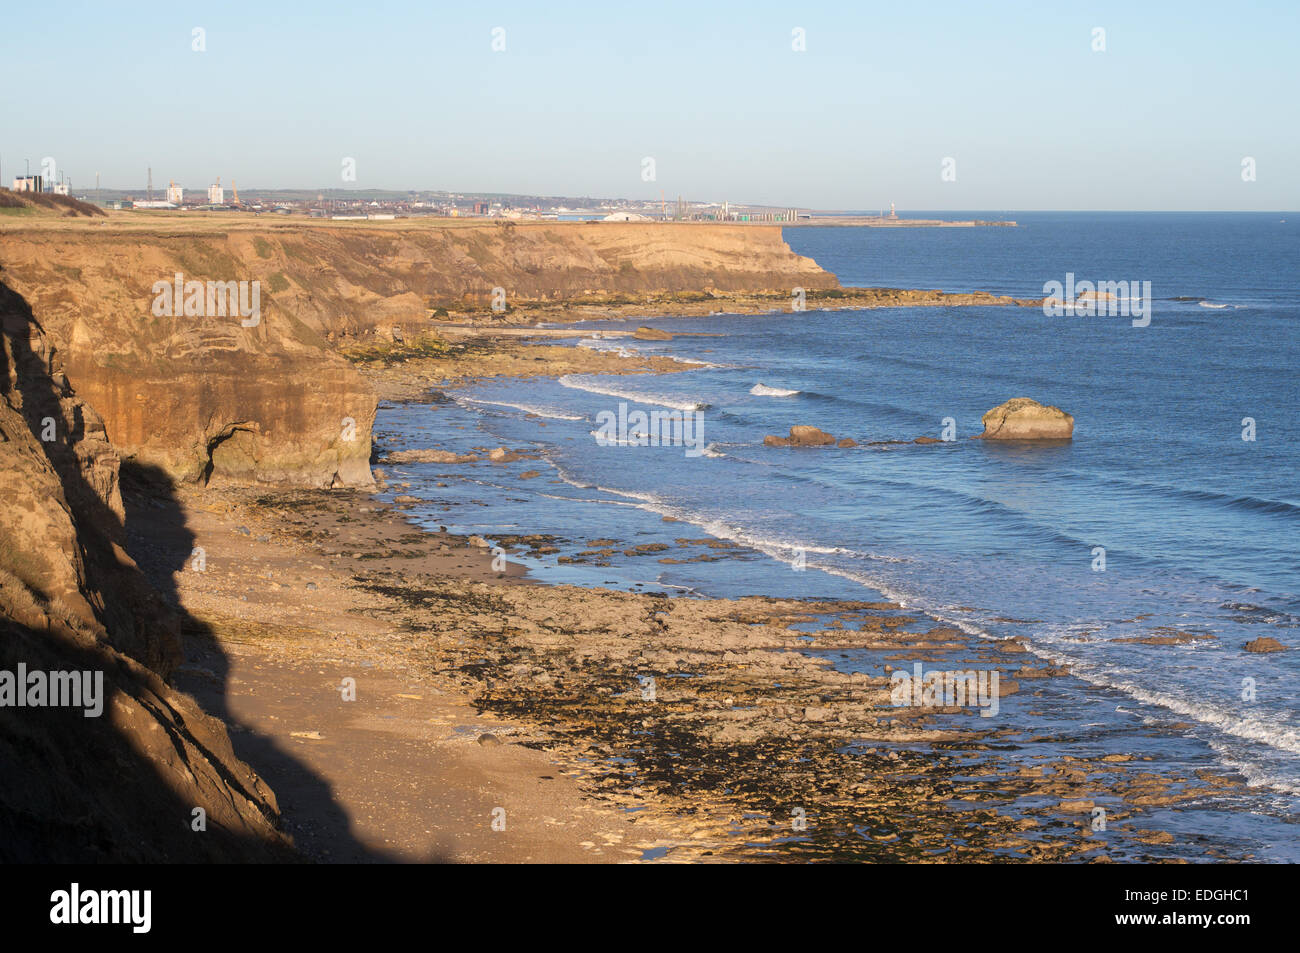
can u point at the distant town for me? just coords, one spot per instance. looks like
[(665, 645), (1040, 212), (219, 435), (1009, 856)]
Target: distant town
[(381, 205)]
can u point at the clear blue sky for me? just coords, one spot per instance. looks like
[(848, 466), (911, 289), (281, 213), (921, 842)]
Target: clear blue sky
[(413, 91)]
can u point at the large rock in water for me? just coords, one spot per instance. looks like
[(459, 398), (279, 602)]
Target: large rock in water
[(1265, 644), (801, 435), (1024, 419), (120, 785)]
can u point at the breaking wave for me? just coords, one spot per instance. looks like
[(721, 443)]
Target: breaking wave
[(580, 382)]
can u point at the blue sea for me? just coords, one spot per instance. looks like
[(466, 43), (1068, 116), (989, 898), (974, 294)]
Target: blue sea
[(1200, 527)]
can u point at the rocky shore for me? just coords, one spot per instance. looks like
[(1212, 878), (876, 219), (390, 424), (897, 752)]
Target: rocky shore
[(296, 672), (609, 726)]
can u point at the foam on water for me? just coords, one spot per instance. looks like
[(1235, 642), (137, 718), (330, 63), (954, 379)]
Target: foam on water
[(586, 383), (547, 412)]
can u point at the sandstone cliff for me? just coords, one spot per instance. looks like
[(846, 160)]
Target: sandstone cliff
[(344, 278), (123, 785), (205, 396), (196, 395)]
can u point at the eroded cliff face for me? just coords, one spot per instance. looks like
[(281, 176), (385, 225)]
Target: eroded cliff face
[(205, 396), (201, 394), (58, 460), (122, 785), (345, 281)]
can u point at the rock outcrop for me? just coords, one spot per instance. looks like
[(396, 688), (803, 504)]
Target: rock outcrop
[(122, 785), (1264, 644), (1024, 419), (801, 435), (644, 333), (258, 399), (428, 456), (207, 397), (82, 567), (346, 281)]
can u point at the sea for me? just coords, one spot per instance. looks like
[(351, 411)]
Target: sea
[(1143, 554)]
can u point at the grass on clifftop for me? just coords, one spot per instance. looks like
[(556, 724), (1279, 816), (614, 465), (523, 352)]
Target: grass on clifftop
[(24, 203)]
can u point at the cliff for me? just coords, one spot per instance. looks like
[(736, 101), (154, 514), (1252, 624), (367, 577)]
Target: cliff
[(204, 396), (122, 785)]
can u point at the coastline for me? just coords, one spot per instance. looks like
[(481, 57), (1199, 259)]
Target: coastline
[(478, 689), (750, 722)]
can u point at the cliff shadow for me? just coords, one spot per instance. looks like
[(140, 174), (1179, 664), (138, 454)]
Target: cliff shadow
[(106, 789), (100, 761), (162, 541)]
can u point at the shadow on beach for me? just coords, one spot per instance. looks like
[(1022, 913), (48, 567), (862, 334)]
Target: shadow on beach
[(113, 788)]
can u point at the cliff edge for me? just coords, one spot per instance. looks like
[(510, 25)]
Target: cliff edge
[(153, 317), (99, 759)]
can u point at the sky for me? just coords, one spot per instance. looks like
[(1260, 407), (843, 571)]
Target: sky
[(1031, 114)]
